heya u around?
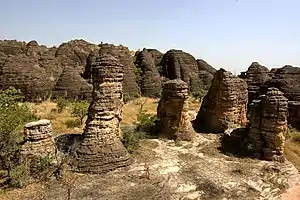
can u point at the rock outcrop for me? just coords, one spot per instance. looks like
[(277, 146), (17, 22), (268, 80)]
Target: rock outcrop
[(38, 140), (203, 65), (225, 104), (287, 80), (157, 56), (101, 149), (149, 80), (268, 118), (172, 112), (255, 76), (122, 53), (177, 64)]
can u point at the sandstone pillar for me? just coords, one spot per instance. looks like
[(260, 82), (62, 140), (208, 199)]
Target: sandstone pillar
[(101, 149), (268, 118), (172, 111), (37, 139)]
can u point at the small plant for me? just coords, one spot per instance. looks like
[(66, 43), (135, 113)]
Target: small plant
[(145, 121), (40, 167), (19, 175), (131, 139), (62, 103), (80, 110), (73, 123)]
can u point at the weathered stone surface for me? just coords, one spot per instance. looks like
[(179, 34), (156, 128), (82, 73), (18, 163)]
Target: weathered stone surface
[(150, 81), (24, 73), (225, 104), (268, 118), (177, 64), (122, 53), (287, 80), (71, 85), (101, 149), (38, 140), (172, 111), (203, 65), (157, 56), (255, 76)]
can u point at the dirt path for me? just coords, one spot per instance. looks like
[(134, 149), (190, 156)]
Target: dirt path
[(292, 194)]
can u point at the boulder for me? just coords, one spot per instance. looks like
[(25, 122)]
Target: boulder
[(225, 104)]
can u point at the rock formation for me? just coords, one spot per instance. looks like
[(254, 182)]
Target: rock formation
[(38, 140), (203, 65), (157, 57), (255, 76), (225, 104), (150, 81), (172, 111), (287, 80), (268, 118), (130, 86), (101, 149), (71, 85)]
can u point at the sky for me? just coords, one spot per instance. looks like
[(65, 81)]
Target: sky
[(229, 34)]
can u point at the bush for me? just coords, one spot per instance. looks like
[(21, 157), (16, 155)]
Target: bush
[(61, 103), (41, 168), (145, 121), (73, 123), (80, 110), (131, 138), (19, 175), (13, 114)]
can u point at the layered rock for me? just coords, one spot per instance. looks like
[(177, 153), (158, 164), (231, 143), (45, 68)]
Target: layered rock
[(150, 81), (38, 140), (255, 76), (177, 64), (157, 57), (225, 104), (101, 149), (130, 86), (268, 118), (71, 85), (172, 111), (203, 65), (287, 80)]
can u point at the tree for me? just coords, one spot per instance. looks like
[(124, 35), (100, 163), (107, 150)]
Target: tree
[(80, 110)]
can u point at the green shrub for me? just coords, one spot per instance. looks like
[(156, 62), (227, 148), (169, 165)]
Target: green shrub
[(13, 115), (41, 168), (19, 175), (73, 123), (61, 103), (80, 110), (131, 138)]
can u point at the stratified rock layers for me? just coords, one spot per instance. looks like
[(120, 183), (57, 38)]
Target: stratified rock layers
[(37, 139), (150, 81), (172, 111), (225, 104), (268, 118), (101, 149)]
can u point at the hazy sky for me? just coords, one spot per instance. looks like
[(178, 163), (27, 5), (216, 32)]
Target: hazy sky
[(226, 33)]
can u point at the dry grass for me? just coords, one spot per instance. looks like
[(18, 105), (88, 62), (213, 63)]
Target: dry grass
[(292, 153), (43, 110)]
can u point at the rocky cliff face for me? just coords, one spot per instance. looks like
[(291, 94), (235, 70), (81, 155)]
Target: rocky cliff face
[(255, 76), (150, 81), (268, 118), (225, 104)]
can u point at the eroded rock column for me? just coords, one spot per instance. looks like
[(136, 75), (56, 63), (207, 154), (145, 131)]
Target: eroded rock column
[(101, 149), (268, 118), (225, 105), (37, 139), (172, 111)]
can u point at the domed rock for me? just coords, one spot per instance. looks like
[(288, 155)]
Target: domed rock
[(177, 64), (24, 73), (12, 47), (71, 85), (225, 104), (157, 57), (130, 85), (203, 65), (255, 76), (150, 81), (34, 49)]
